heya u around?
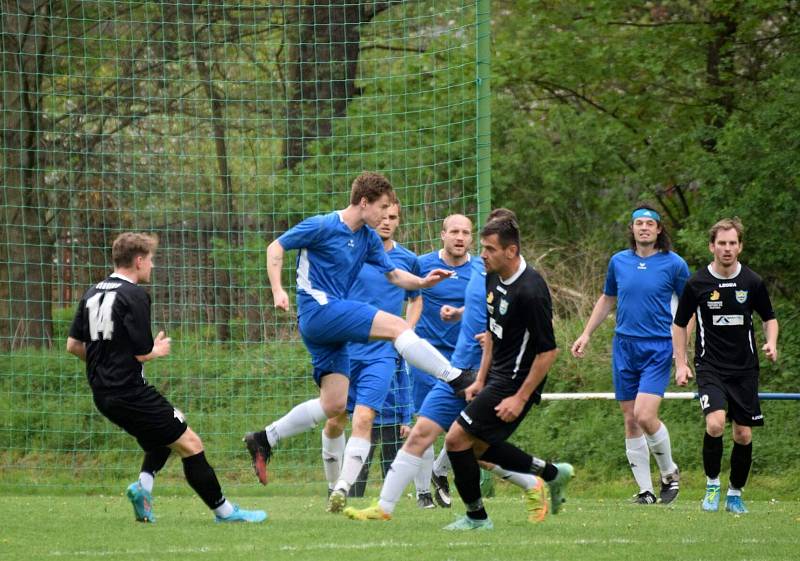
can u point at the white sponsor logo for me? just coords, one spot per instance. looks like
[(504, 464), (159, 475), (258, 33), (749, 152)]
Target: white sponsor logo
[(728, 320), (466, 417), (714, 305), (501, 290), (496, 328), (178, 414), (757, 417), (490, 308), (642, 266), (727, 284), (108, 285)]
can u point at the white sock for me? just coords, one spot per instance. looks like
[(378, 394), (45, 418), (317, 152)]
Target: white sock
[(639, 459), (662, 450), (524, 480), (224, 510), (355, 454), (146, 481), (422, 479), (404, 468), (332, 457), (734, 492), (301, 418), (421, 354), (714, 481), (442, 464)]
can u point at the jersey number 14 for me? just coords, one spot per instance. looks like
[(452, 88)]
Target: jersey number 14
[(100, 316)]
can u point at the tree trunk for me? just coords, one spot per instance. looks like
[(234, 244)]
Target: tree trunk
[(325, 45), (26, 249)]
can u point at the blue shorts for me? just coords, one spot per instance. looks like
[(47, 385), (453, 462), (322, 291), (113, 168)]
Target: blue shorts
[(640, 365), (422, 382), (441, 405), (370, 382), (327, 329)]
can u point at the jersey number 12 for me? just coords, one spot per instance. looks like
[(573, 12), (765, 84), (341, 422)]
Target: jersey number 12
[(100, 317)]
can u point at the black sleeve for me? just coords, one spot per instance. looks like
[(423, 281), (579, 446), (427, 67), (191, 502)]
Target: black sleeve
[(78, 328), (540, 319), (687, 305), (136, 318), (762, 303)]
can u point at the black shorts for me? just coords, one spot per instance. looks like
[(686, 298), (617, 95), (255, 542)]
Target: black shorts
[(736, 394), (480, 419), (143, 413)]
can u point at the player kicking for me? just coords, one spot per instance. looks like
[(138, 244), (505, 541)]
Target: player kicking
[(111, 333), (332, 250), (514, 366), (724, 296), (373, 368)]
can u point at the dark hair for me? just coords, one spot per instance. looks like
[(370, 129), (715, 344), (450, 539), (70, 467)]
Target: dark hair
[(506, 229), (727, 224), (371, 186), (663, 241), (501, 213), (129, 245)]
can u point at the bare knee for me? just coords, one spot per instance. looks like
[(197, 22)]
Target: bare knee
[(457, 439), (742, 435), (334, 406), (421, 437), (715, 424), (189, 444)]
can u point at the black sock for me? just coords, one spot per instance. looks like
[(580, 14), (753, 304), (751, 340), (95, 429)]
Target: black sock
[(741, 459), (155, 459), (467, 477), (712, 455), (509, 457), (203, 480)]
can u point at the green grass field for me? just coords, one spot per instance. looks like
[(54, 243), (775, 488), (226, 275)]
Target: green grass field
[(102, 527)]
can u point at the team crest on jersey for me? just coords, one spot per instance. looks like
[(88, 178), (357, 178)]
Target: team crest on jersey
[(741, 296), (503, 306), (714, 296)]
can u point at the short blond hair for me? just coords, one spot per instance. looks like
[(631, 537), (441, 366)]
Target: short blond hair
[(727, 224), (129, 245)]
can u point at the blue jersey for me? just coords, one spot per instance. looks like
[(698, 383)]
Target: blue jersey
[(468, 351), (330, 257), (372, 287), (645, 288), (450, 292)]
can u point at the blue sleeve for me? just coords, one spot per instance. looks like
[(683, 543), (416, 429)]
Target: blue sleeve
[(376, 254), (681, 276), (610, 288), (303, 234)]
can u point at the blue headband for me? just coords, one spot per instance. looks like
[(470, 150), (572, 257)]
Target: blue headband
[(645, 213)]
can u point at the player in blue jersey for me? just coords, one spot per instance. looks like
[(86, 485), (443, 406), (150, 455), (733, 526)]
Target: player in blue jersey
[(441, 407), (644, 282), (440, 321), (332, 248), (374, 368)]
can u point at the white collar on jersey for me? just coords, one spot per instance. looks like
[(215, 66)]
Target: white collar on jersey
[(515, 276), (441, 253), (718, 276), (123, 277)]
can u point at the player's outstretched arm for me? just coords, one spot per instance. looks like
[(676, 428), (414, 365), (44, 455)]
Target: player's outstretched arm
[(600, 312), (408, 281), (275, 254)]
